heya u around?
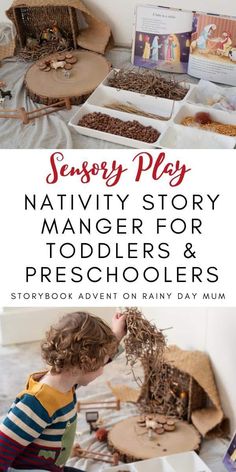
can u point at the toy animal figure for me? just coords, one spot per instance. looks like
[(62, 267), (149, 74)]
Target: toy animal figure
[(5, 94), (2, 100), (151, 424), (58, 64), (232, 54), (32, 43)]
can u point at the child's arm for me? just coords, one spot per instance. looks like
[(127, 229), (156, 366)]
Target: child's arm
[(119, 325), (24, 423), (119, 328)]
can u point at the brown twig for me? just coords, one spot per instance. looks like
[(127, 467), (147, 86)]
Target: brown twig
[(128, 107), (148, 83), (160, 387)]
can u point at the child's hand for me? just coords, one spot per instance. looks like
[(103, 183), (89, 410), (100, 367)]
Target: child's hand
[(119, 325)]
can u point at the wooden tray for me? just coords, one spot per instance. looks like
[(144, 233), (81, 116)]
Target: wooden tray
[(49, 87), (132, 443)]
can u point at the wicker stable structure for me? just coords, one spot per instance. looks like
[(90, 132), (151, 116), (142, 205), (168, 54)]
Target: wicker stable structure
[(190, 391), (30, 22), (79, 26), (180, 397)]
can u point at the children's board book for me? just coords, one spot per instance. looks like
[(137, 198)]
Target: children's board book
[(230, 456), (177, 41)]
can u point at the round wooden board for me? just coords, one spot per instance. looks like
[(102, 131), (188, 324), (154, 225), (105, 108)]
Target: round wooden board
[(132, 443), (49, 87)]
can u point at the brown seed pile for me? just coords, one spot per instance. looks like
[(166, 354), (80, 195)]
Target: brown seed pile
[(149, 83), (128, 129), (215, 126)]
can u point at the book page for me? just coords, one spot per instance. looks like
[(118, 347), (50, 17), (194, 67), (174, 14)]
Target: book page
[(230, 456), (213, 49), (162, 38)]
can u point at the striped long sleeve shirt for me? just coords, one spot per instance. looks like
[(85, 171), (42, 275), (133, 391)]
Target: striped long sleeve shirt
[(39, 430)]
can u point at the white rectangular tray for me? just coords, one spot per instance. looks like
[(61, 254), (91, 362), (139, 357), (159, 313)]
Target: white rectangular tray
[(184, 462), (172, 133)]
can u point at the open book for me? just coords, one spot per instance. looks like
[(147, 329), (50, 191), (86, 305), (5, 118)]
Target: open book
[(230, 456), (172, 40)]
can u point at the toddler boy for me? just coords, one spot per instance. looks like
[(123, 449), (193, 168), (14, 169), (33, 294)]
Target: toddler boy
[(39, 430)]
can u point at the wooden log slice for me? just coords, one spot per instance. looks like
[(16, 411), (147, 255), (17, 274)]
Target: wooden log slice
[(73, 60), (89, 70), (60, 57), (133, 444)]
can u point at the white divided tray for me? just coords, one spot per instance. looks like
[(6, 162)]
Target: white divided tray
[(172, 133), (184, 462)]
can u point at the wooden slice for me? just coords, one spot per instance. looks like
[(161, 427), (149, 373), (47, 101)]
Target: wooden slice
[(169, 427), (73, 60), (130, 441), (170, 422), (87, 73), (162, 420), (61, 57), (160, 430)]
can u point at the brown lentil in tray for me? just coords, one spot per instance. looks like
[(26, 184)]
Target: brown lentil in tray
[(128, 129)]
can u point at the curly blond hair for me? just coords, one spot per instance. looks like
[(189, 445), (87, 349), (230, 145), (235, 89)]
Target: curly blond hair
[(78, 340)]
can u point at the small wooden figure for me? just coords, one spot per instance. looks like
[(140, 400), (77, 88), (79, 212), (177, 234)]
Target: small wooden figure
[(106, 404), (46, 35), (67, 74), (77, 451), (55, 31), (27, 116), (32, 43)]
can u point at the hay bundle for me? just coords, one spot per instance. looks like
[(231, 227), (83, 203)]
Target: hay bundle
[(164, 390)]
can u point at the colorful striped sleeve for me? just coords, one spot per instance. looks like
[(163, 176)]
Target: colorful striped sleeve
[(24, 423)]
